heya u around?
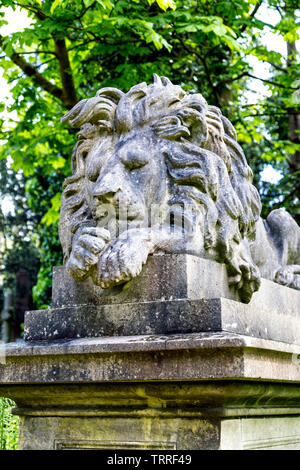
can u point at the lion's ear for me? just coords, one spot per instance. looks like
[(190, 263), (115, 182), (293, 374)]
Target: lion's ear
[(70, 117), (99, 110), (112, 94), (88, 110), (165, 81)]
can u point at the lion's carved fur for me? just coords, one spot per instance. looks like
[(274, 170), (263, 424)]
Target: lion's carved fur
[(205, 171)]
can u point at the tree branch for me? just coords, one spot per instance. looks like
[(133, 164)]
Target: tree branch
[(37, 52), (264, 114), (238, 77), (247, 74), (252, 14), (280, 85), (205, 66), (32, 72), (277, 67), (82, 44), (34, 9), (287, 198), (83, 12), (69, 92)]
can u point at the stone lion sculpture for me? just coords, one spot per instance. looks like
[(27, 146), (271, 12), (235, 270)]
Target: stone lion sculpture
[(159, 170)]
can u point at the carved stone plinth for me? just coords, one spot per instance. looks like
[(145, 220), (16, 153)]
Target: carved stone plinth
[(173, 294), (229, 379), (197, 391)]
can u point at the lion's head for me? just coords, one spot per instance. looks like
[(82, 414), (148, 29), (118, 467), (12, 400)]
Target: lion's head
[(142, 153)]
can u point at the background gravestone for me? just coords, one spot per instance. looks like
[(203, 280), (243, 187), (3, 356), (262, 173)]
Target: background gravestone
[(6, 316)]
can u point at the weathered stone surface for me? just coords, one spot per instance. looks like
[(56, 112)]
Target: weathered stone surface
[(184, 392), (210, 398), (173, 294), (166, 317), (75, 433), (159, 170), (169, 277), (164, 277), (276, 433), (153, 432), (167, 392), (178, 357)]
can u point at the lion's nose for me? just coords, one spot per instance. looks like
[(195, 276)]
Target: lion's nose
[(105, 194), (107, 186), (108, 196)]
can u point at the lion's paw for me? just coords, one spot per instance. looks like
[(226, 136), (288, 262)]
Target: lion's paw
[(122, 260), (288, 276), (246, 280)]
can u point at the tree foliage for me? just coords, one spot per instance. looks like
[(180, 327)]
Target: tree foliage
[(73, 48), (9, 426), (16, 230)]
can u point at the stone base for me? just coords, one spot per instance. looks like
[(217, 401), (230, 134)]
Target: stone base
[(158, 432), (228, 379), (173, 294), (199, 391)]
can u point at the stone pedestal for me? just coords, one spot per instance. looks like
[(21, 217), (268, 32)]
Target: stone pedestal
[(170, 361)]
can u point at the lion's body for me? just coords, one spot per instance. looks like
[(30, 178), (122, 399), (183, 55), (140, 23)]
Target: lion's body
[(157, 151), (276, 248)]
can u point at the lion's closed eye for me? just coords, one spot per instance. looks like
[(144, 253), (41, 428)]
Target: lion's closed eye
[(131, 165), (133, 160), (92, 176)]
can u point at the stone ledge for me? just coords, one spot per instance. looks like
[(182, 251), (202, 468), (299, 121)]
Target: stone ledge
[(162, 317), (157, 413), (164, 277), (226, 398), (183, 357), (174, 294), (145, 343), (171, 277)]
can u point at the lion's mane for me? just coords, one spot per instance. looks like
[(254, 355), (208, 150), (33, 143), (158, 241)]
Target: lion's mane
[(206, 165)]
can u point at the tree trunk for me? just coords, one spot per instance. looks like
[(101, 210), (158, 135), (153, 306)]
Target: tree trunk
[(293, 113)]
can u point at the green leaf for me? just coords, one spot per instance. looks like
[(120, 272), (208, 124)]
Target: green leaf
[(9, 49), (58, 162), (52, 215), (231, 43), (291, 36), (54, 5), (165, 4), (106, 4)]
